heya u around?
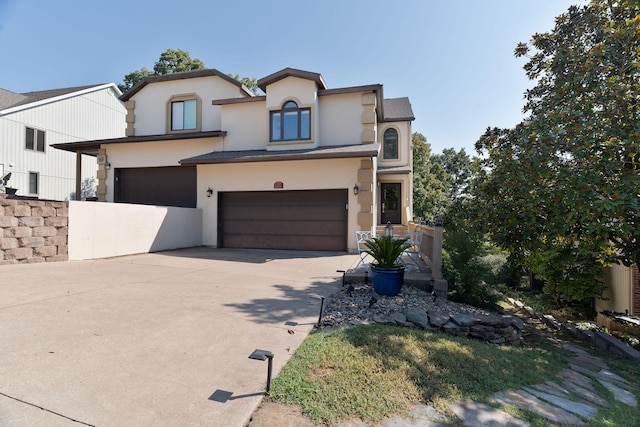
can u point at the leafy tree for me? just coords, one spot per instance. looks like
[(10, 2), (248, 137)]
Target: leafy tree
[(170, 61), (429, 192), (250, 82), (175, 61), (440, 181), (564, 184)]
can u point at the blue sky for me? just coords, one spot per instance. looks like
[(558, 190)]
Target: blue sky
[(453, 59)]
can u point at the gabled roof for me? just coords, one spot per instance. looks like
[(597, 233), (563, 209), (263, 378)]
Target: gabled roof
[(11, 101), (398, 110), (206, 72), (8, 98), (291, 72)]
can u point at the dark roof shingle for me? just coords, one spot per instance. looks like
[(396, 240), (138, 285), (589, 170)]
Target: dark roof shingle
[(10, 99), (397, 109)]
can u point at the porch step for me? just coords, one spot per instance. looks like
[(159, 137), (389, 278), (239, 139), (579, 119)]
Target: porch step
[(399, 230)]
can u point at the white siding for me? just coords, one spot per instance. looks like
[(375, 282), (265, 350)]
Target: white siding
[(94, 115)]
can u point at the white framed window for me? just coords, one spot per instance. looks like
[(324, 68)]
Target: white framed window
[(34, 178), (34, 139), (184, 113)]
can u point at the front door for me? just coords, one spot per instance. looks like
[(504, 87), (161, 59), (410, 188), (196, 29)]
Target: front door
[(391, 203)]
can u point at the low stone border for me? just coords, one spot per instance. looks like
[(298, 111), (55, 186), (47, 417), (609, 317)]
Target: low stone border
[(357, 304), (600, 340)]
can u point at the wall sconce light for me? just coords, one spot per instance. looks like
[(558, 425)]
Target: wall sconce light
[(209, 192), (107, 166), (356, 189)]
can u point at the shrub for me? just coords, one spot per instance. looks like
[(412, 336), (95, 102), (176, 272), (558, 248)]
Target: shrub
[(465, 270)]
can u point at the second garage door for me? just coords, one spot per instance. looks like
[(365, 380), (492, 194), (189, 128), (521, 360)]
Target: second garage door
[(301, 220)]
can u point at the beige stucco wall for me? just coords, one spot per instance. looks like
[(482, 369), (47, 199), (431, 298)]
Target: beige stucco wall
[(291, 88), (304, 93), (247, 126), (340, 119), (295, 175), (404, 143), (154, 154), (101, 230), (151, 102)]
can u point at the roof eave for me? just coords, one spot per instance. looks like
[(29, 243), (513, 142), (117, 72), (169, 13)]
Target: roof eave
[(283, 157), (90, 147), (60, 98)]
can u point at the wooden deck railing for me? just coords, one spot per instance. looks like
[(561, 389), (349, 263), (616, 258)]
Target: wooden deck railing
[(431, 247)]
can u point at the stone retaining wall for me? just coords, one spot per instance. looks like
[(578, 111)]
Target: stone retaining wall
[(492, 328), (33, 231)]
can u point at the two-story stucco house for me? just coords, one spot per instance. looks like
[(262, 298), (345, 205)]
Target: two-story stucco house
[(31, 122), (302, 167)]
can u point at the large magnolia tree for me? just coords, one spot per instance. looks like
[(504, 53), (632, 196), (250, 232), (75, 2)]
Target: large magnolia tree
[(564, 184)]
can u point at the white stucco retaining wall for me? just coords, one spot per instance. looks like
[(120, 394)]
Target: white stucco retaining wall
[(102, 230)]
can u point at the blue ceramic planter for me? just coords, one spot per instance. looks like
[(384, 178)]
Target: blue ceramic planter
[(387, 281)]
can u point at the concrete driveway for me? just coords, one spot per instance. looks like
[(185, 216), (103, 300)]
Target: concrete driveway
[(155, 339)]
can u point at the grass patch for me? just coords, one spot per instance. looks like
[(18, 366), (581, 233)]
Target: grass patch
[(370, 372)]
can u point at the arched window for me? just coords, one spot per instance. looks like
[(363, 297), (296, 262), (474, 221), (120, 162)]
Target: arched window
[(291, 123), (390, 144)]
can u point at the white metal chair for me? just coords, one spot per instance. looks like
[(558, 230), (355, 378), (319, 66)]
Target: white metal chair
[(413, 252), (361, 238)]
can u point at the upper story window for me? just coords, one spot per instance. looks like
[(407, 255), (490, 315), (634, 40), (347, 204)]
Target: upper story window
[(291, 123), (34, 140), (390, 144), (183, 113)]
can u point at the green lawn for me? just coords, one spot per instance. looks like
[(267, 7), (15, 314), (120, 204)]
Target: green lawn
[(373, 371)]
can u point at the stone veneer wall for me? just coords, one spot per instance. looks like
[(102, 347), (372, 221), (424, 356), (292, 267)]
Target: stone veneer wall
[(33, 231)]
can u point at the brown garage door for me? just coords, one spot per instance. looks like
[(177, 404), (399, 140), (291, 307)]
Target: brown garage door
[(164, 186), (302, 220)]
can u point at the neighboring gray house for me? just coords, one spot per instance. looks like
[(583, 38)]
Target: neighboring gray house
[(31, 122)]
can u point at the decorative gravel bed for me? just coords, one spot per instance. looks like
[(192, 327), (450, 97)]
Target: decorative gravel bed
[(357, 304)]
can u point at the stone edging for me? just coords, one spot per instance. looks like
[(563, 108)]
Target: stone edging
[(600, 340)]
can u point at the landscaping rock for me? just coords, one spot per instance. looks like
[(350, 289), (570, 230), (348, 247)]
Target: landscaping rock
[(581, 409), (523, 400), (478, 414), (418, 317)]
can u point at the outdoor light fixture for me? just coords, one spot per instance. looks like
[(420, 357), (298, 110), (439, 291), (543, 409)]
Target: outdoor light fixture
[(107, 166), (264, 355), (209, 192), (356, 189), (321, 298)]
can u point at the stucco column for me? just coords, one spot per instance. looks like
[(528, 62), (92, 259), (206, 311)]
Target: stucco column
[(365, 195)]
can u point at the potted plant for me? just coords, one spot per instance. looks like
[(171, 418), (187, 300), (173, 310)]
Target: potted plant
[(387, 274)]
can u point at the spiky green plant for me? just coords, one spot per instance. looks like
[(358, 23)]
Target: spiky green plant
[(386, 250)]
